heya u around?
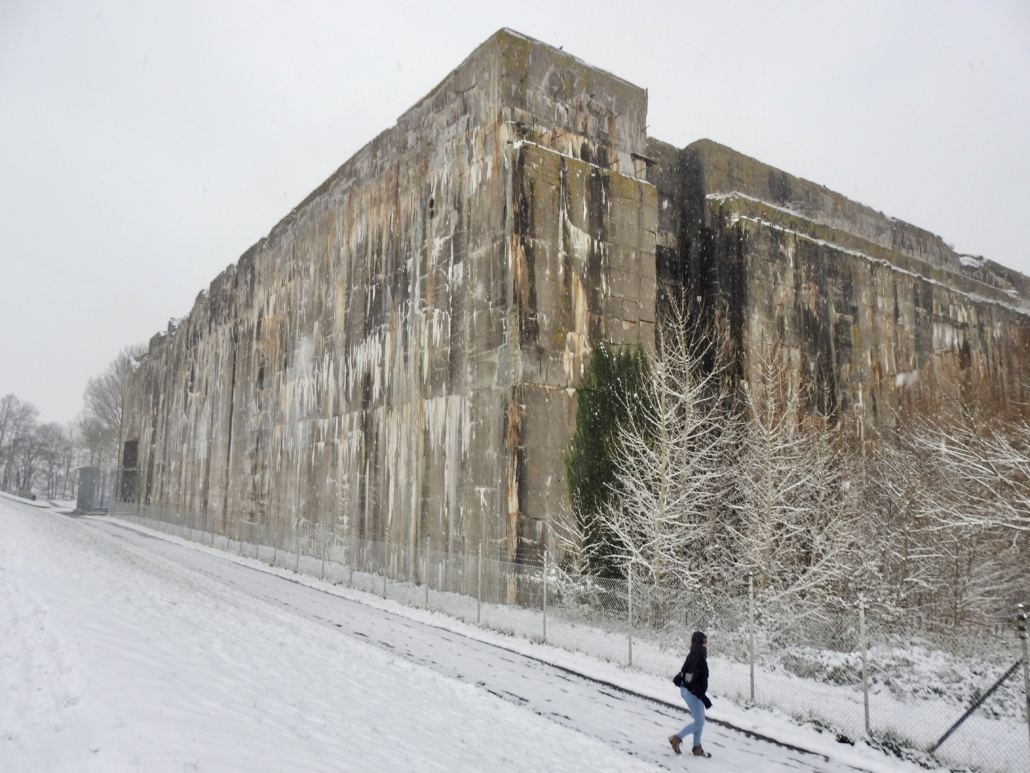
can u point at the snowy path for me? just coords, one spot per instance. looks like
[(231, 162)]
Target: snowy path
[(627, 722), (126, 650)]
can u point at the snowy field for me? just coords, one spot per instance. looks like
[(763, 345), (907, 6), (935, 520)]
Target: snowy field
[(124, 649)]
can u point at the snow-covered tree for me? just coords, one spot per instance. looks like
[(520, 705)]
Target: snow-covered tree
[(982, 508), (671, 468), (941, 560), (899, 489), (615, 388), (795, 527), (990, 460)]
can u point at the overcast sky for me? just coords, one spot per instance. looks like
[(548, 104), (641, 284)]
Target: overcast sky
[(144, 146)]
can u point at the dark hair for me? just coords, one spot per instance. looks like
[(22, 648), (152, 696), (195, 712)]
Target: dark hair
[(697, 642)]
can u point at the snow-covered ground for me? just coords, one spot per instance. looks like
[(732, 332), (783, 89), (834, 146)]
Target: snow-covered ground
[(116, 659), (124, 649)]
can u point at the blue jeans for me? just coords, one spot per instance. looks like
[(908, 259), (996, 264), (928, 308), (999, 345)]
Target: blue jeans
[(697, 711)]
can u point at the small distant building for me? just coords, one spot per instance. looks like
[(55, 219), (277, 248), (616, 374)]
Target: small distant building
[(92, 495)]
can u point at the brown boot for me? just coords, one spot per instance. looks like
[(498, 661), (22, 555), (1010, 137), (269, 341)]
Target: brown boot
[(675, 741), (697, 751)]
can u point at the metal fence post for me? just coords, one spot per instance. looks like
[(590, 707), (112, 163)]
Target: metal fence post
[(325, 547), (426, 579), (629, 627), (751, 629), (1021, 633), (865, 664), (479, 585), (545, 595)]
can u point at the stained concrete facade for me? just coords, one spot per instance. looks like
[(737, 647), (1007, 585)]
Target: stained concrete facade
[(400, 353), (399, 357), (873, 316)]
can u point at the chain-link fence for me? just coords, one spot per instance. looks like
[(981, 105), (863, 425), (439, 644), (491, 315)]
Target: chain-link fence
[(846, 673)]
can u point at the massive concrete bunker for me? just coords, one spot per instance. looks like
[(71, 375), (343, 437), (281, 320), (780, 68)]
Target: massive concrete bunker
[(399, 357)]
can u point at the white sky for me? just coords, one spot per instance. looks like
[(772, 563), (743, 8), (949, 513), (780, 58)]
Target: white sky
[(144, 146)]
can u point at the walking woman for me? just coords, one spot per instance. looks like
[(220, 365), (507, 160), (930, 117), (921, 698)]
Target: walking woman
[(693, 683)]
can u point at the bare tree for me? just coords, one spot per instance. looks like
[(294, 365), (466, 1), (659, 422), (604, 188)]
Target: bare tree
[(990, 459), (671, 468), (898, 500), (19, 421), (979, 508), (95, 440), (69, 482), (774, 479), (9, 405), (100, 424), (796, 529), (28, 460), (54, 448), (941, 557)]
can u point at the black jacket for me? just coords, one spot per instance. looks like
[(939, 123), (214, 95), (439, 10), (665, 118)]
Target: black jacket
[(696, 664)]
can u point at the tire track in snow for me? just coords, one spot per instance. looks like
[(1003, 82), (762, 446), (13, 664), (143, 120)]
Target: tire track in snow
[(634, 723)]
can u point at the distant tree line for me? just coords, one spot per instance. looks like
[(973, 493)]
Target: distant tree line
[(691, 482), (42, 459), (33, 456)]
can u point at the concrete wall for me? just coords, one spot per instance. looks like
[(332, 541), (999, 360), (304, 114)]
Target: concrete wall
[(392, 358), (872, 315), (398, 359)]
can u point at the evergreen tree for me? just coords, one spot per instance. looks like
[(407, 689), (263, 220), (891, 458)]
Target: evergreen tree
[(616, 389)]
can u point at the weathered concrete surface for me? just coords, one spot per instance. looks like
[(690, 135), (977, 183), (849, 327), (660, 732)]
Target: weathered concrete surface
[(397, 360), (869, 313)]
